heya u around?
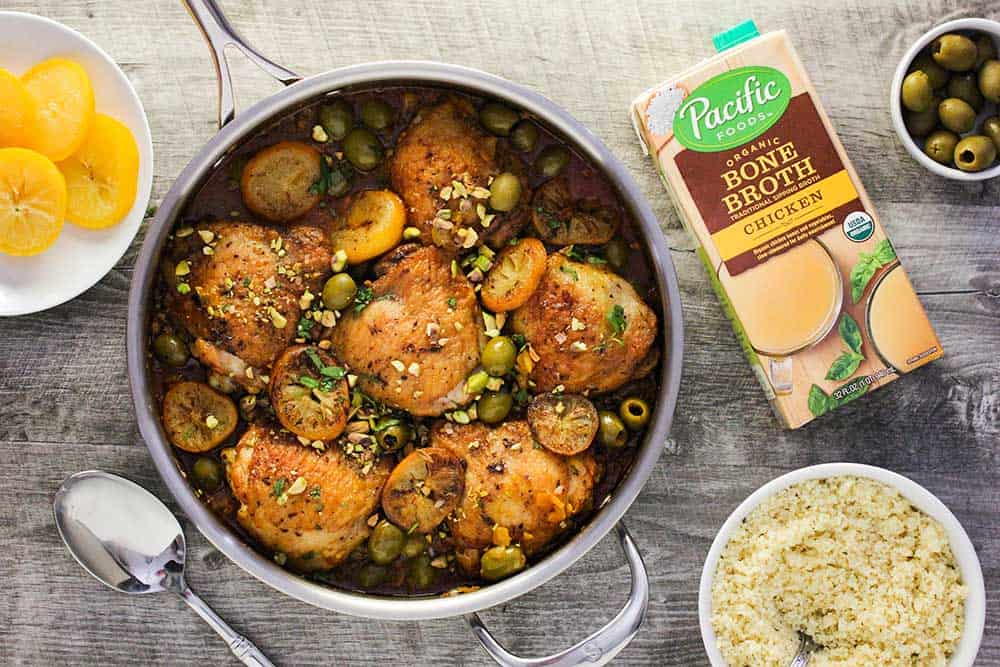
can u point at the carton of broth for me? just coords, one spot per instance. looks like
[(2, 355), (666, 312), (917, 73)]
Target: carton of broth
[(790, 239)]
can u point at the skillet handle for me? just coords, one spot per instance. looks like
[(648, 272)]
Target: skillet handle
[(600, 647), (220, 33)]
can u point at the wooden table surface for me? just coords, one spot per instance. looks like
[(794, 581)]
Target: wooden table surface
[(65, 406)]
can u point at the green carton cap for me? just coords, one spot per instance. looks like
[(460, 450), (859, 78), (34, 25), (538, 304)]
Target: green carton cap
[(736, 35)]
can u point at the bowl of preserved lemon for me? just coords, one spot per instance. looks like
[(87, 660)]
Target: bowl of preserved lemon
[(75, 163)]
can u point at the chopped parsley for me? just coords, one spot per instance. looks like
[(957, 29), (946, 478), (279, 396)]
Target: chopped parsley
[(584, 255), (308, 382), (571, 272), (521, 396), (322, 185), (333, 372), (617, 322), (304, 328), (315, 492), (550, 219), (362, 298), (518, 340), (452, 302), (279, 487)]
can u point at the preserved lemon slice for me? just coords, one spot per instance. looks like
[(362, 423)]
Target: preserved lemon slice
[(17, 111), (32, 202), (61, 88), (101, 176), (373, 225)]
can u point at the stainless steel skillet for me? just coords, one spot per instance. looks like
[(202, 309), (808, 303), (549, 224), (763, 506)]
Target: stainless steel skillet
[(596, 649)]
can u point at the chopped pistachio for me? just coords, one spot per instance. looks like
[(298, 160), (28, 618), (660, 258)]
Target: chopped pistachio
[(339, 261), (461, 416), (206, 235), (319, 134), (184, 232), (182, 268), (306, 299), (208, 250), (577, 325), (297, 487), (476, 382), (398, 365), (277, 319), (211, 421), (413, 369), (411, 233), (183, 288)]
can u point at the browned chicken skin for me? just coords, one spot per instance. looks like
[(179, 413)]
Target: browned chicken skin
[(514, 484), (592, 356), (315, 523), (416, 342), (443, 143), (244, 297)]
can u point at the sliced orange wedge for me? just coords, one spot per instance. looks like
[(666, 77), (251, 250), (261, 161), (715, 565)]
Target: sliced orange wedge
[(65, 99), (101, 176), (17, 111), (32, 201)]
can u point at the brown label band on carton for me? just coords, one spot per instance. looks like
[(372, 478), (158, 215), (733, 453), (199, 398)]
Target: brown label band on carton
[(772, 193)]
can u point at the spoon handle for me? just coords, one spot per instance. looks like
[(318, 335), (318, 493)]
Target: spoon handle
[(241, 647)]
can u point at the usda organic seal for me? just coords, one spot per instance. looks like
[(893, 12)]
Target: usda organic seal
[(858, 226)]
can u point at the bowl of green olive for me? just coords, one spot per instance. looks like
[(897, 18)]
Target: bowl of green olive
[(945, 100)]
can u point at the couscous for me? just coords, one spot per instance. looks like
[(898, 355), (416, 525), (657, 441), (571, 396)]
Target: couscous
[(850, 562)]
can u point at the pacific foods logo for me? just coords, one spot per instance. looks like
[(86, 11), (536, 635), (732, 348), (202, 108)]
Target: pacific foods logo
[(729, 110)]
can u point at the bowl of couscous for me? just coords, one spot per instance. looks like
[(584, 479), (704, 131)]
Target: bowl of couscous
[(868, 563)]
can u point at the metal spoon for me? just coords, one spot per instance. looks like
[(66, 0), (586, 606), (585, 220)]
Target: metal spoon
[(124, 536), (806, 648)]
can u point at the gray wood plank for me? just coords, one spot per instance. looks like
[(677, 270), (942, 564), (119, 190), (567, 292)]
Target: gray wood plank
[(64, 403)]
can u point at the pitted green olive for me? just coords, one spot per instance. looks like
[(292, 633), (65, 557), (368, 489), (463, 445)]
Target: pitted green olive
[(501, 562), (337, 118), (170, 349), (954, 52), (385, 543), (975, 153), (917, 93)]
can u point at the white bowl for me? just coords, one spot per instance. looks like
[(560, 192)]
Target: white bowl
[(915, 149), (922, 499), (79, 257)]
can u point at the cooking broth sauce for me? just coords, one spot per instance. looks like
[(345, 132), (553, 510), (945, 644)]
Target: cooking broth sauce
[(220, 198)]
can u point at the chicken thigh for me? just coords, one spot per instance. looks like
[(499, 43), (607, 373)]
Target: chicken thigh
[(512, 483), (418, 339), (590, 329), (311, 506), (236, 287)]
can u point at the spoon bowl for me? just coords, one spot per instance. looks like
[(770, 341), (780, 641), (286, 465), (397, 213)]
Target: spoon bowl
[(130, 541)]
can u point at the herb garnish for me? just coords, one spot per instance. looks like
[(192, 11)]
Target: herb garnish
[(279, 487), (452, 302), (304, 327), (571, 272), (362, 298), (322, 185), (617, 321)]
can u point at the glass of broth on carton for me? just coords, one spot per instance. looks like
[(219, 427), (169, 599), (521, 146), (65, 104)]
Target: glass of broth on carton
[(790, 239)]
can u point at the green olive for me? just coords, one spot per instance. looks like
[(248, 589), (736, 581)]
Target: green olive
[(497, 118), (394, 437), (634, 412), (991, 128), (371, 575), (419, 572), (975, 153), (989, 81), (170, 349), (415, 545), (337, 118), (494, 406), (922, 123), (917, 93), (954, 52), (363, 149), (376, 114), (206, 474), (937, 74), (552, 160), (957, 115), (501, 562), (385, 543), (940, 146), (964, 87), (499, 356), (339, 291), (611, 430), (617, 253), (524, 136), (986, 49), (505, 192)]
